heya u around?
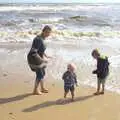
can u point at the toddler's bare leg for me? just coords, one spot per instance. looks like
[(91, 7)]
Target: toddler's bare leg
[(65, 94), (73, 95)]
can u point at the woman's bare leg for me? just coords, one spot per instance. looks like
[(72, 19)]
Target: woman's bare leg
[(36, 90)]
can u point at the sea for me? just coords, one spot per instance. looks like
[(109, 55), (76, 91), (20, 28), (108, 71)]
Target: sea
[(77, 29)]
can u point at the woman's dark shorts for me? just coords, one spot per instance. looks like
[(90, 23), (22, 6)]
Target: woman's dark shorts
[(40, 73)]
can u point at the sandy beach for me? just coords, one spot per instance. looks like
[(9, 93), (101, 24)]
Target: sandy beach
[(77, 29), (17, 101)]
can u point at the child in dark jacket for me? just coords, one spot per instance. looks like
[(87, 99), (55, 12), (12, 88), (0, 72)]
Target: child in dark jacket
[(70, 79), (102, 70)]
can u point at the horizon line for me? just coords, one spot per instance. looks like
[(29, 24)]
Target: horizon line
[(60, 2)]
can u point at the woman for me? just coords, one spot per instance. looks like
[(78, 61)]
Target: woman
[(39, 46)]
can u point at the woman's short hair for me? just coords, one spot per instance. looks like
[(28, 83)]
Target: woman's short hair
[(46, 28)]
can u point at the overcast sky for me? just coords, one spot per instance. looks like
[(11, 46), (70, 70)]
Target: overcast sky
[(63, 1)]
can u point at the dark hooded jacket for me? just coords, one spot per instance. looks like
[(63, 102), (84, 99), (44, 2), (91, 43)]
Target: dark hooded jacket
[(102, 70)]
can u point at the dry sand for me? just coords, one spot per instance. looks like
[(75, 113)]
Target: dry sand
[(17, 102)]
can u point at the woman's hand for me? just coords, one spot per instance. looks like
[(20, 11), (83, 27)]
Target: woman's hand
[(45, 60), (49, 57)]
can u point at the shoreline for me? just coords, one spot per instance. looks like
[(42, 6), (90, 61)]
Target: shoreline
[(18, 63)]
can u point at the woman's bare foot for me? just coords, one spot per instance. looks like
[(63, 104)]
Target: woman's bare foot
[(96, 93), (102, 92), (44, 90), (37, 93)]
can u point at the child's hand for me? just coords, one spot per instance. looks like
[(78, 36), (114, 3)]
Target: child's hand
[(77, 85), (94, 72)]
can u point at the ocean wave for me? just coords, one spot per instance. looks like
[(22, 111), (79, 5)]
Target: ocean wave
[(9, 23), (70, 33), (78, 20), (45, 21), (75, 21), (28, 35), (55, 34), (88, 20), (82, 15), (54, 7), (37, 8)]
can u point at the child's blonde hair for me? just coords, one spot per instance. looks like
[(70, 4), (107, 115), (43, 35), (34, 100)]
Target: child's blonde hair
[(95, 51), (71, 66)]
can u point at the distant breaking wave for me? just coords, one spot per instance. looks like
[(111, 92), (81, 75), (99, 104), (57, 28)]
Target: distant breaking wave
[(86, 20), (48, 7), (76, 20), (27, 35), (81, 20)]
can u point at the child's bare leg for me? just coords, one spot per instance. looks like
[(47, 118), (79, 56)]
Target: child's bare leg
[(103, 87), (98, 88), (65, 94), (72, 94)]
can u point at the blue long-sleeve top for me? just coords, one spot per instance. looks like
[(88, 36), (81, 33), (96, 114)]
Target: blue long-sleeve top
[(38, 46), (69, 78)]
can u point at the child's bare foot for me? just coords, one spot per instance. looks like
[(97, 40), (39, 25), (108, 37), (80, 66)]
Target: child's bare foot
[(96, 93)]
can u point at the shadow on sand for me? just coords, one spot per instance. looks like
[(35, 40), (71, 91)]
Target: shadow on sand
[(15, 98), (57, 102)]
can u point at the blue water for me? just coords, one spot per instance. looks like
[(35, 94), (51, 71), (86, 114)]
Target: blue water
[(80, 17)]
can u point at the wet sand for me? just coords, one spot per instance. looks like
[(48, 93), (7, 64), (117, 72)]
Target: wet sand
[(17, 101)]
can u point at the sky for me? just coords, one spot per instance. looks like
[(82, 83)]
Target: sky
[(61, 1)]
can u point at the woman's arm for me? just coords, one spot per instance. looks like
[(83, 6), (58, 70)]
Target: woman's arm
[(45, 55)]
